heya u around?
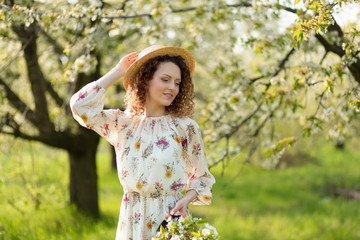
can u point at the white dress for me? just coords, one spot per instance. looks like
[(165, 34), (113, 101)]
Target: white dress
[(157, 159)]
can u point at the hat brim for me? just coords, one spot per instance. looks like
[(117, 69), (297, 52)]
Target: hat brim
[(171, 51)]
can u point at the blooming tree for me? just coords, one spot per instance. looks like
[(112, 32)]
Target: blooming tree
[(251, 71)]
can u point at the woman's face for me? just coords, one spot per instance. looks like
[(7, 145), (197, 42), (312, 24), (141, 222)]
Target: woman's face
[(164, 86)]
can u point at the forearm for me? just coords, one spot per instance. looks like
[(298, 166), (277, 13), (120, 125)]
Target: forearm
[(109, 78), (190, 195), (181, 205)]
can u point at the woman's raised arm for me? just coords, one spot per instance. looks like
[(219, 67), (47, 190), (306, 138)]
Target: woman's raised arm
[(118, 71)]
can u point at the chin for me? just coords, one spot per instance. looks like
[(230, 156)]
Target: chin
[(167, 103)]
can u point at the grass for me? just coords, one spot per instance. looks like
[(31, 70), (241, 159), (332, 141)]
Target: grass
[(292, 203)]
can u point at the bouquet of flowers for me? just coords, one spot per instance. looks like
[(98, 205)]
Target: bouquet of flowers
[(192, 229)]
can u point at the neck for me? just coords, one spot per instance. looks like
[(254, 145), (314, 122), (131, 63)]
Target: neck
[(154, 111)]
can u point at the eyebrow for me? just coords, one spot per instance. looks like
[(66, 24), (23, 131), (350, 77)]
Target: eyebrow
[(170, 76)]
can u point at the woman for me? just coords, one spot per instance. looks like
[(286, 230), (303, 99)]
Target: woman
[(159, 150)]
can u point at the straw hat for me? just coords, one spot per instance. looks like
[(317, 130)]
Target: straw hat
[(155, 51)]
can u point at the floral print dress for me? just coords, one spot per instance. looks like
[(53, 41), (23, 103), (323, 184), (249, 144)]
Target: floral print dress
[(157, 159)]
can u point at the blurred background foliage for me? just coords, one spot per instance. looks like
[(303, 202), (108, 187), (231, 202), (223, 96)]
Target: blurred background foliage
[(276, 86)]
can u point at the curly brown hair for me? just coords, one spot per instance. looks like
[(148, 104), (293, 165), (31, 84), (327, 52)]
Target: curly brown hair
[(183, 104)]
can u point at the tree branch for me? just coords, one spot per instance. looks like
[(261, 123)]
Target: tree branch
[(251, 152), (280, 67), (57, 48), (63, 140), (282, 63), (353, 67), (257, 131), (353, 89), (330, 47), (188, 9), (49, 88), (59, 101), (16, 102), (288, 9), (256, 79), (9, 121), (35, 76), (24, 45), (238, 126), (22, 136), (181, 10), (123, 5), (323, 58), (335, 27), (225, 155), (319, 104), (128, 16)]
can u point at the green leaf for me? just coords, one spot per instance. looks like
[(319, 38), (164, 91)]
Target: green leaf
[(300, 36), (268, 153), (202, 221), (355, 103), (162, 230), (196, 234), (296, 32)]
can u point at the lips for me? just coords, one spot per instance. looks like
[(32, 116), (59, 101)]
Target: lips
[(168, 95)]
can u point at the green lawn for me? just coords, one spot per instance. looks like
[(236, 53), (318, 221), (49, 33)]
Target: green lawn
[(291, 203)]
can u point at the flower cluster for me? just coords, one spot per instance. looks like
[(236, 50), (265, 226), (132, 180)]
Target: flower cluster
[(193, 228), (158, 186)]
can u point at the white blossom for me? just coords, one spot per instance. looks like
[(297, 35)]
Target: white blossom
[(206, 232), (274, 80), (212, 228)]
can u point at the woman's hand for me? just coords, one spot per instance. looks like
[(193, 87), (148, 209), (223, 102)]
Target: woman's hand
[(118, 71), (123, 65), (181, 206)]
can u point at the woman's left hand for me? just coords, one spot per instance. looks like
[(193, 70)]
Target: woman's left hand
[(182, 205), (180, 208)]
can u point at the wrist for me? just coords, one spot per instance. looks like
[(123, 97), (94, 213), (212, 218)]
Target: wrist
[(117, 73), (190, 195), (109, 78)]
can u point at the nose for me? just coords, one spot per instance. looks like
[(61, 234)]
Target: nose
[(172, 86)]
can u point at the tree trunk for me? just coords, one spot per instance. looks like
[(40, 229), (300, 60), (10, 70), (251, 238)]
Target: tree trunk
[(83, 177)]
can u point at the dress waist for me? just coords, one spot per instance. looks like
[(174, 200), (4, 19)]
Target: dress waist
[(135, 194)]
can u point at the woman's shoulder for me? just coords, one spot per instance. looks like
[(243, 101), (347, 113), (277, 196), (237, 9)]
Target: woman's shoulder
[(185, 122), (122, 115), (185, 119)]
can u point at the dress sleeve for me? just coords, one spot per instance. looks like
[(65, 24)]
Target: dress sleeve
[(199, 177), (87, 108)]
